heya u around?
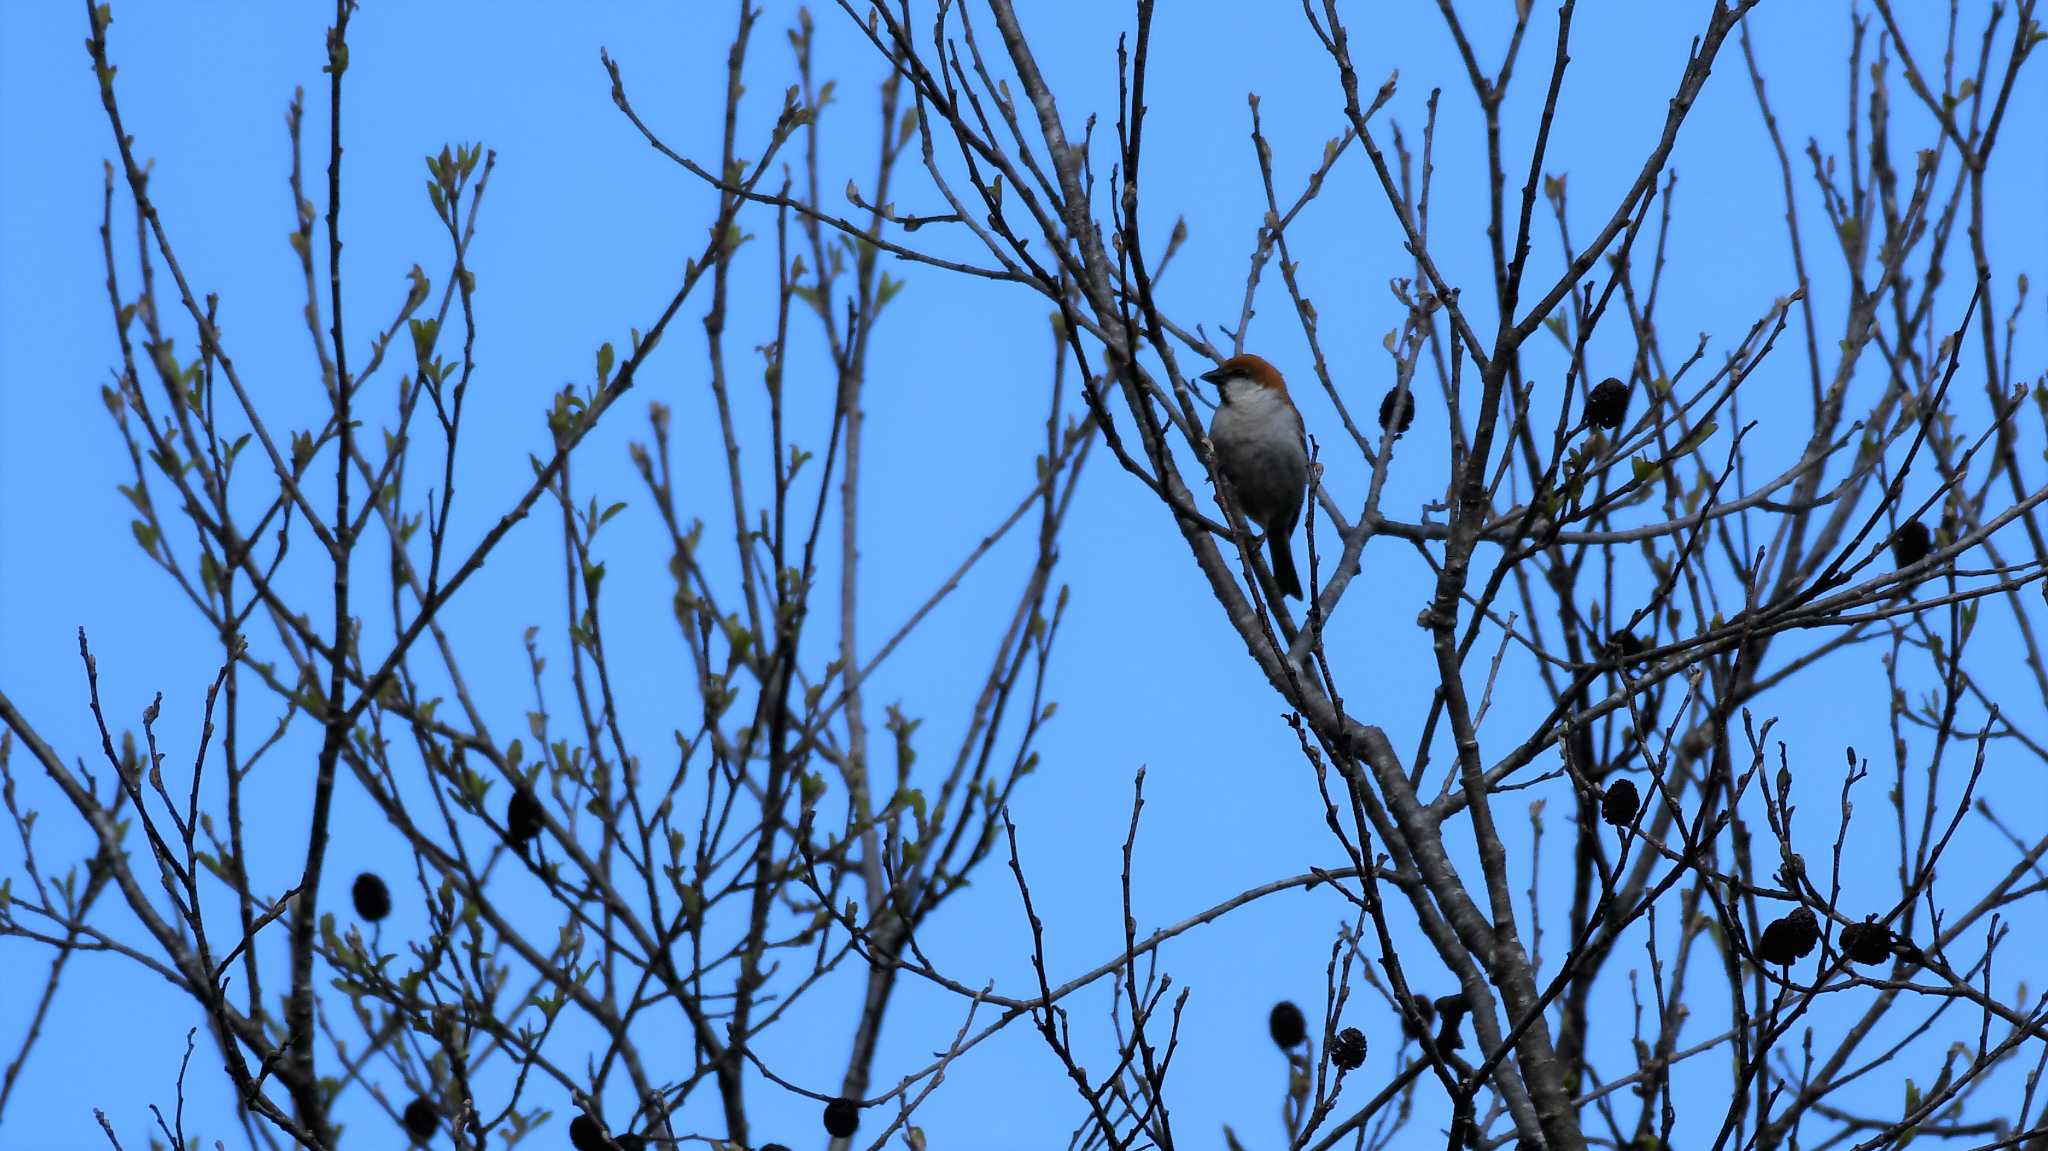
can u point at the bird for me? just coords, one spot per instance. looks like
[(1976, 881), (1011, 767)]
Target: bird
[(1258, 437)]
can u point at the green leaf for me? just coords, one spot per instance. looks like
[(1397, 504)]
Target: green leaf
[(736, 633), (913, 798), (1912, 1105), (1696, 437), (604, 364), (423, 335), (887, 291)]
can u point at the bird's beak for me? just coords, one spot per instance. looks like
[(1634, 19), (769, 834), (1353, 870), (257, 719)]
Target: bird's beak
[(1214, 376)]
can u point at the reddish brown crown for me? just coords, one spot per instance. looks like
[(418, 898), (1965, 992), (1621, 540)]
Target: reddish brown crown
[(1253, 368)]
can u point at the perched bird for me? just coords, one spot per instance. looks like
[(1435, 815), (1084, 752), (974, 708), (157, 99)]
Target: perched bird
[(1258, 438)]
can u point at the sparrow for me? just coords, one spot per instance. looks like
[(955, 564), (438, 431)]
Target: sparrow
[(1258, 437)]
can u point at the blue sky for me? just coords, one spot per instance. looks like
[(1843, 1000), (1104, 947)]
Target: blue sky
[(583, 235)]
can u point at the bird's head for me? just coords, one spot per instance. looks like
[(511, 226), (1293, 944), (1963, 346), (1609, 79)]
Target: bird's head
[(1243, 376)]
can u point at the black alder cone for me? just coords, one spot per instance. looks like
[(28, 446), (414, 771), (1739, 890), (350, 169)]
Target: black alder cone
[(842, 1118), (1348, 1052), (1452, 1008), (1911, 543), (1608, 405), (1775, 947), (421, 1119), (1805, 931), (1424, 1009), (1619, 805), (584, 1134), (1397, 411), (1867, 942), (372, 898), (522, 817), (1624, 646), (1789, 938), (1287, 1025)]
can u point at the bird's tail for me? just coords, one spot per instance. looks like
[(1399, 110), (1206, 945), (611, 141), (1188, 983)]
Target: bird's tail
[(1283, 564)]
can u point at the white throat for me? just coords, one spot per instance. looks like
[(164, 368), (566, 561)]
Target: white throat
[(1249, 399)]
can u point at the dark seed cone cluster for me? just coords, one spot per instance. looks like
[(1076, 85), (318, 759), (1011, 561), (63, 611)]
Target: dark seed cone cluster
[(1425, 1010), (1789, 938), (1911, 543), (1397, 411), (585, 1136), (1867, 942), (1287, 1025), (1607, 407), (1452, 1010), (1348, 1052), (1621, 802), (522, 818), (372, 898), (1624, 646), (421, 1119), (842, 1118)]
